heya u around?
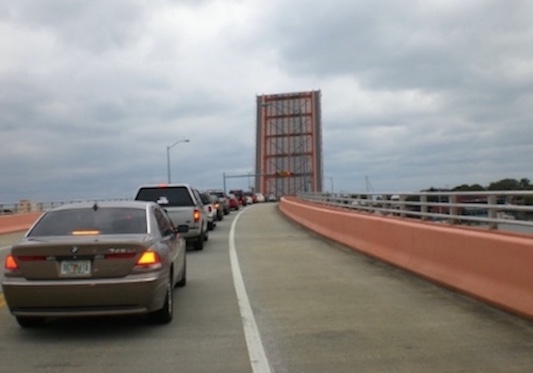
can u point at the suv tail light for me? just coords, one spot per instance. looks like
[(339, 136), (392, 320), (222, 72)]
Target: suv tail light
[(197, 215)]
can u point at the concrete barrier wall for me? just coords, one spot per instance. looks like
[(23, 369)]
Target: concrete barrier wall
[(495, 267), (17, 222)]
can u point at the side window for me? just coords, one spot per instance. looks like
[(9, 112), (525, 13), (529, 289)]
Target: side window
[(163, 222), (205, 198), (197, 197)]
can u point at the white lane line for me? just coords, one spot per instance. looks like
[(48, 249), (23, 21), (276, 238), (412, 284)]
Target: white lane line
[(256, 352)]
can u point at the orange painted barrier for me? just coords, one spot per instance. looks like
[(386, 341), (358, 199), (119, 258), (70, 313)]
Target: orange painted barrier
[(17, 222), (493, 266)]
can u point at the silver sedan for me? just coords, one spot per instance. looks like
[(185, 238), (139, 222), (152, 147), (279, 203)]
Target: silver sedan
[(96, 259)]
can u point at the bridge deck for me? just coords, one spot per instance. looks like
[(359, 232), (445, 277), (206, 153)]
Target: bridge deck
[(319, 307), (323, 308)]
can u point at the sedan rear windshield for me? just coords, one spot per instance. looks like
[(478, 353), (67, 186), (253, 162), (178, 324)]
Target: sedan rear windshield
[(166, 196), (206, 199), (86, 221)]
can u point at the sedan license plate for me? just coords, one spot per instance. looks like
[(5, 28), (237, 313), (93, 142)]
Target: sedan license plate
[(75, 267)]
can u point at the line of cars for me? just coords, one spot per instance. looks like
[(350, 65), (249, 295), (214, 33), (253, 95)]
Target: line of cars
[(110, 258), (248, 198)]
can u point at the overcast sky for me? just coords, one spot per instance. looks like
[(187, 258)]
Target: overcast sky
[(415, 94)]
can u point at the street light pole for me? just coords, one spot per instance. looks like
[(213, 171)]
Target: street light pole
[(168, 155)]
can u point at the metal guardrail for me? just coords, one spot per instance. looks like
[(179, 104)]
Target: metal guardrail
[(28, 206), (493, 209)]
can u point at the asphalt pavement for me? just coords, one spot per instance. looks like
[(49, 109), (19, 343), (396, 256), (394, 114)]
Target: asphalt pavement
[(319, 307), (322, 307)]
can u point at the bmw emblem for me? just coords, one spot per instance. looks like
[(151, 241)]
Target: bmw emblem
[(74, 250)]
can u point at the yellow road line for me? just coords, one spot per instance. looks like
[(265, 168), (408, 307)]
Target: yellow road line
[(2, 300)]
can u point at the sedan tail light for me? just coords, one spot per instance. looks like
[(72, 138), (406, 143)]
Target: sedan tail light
[(149, 259), (10, 263)]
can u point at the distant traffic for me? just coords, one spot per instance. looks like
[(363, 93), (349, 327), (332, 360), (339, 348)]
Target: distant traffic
[(104, 258)]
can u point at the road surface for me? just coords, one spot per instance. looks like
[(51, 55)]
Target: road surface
[(316, 307)]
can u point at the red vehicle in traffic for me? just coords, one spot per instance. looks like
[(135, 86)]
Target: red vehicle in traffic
[(234, 203), (239, 194)]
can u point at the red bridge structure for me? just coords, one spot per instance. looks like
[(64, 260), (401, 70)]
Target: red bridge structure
[(289, 143)]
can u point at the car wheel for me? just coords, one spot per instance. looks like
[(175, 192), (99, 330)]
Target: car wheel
[(164, 315), (210, 225), (30, 322), (199, 244), (183, 281)]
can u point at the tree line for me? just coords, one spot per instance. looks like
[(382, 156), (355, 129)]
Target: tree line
[(504, 185)]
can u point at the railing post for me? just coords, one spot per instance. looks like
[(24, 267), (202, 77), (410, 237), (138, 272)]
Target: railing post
[(403, 206), (492, 200), (454, 210), (423, 206)]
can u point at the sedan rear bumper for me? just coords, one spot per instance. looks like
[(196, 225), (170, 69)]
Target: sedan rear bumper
[(136, 294)]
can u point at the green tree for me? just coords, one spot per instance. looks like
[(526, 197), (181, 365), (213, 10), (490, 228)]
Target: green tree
[(524, 184), (468, 188), (505, 184)]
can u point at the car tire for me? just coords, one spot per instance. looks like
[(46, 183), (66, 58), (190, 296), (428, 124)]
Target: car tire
[(183, 281), (165, 314), (210, 226), (199, 243), (30, 322)]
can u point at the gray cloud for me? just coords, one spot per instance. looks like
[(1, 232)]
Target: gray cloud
[(414, 94), (98, 26)]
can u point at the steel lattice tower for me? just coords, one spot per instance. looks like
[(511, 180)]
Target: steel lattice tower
[(289, 143)]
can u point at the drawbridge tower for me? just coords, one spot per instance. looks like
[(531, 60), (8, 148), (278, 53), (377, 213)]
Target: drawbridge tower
[(288, 144)]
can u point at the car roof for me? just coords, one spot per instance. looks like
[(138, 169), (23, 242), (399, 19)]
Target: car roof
[(164, 185), (105, 204)]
